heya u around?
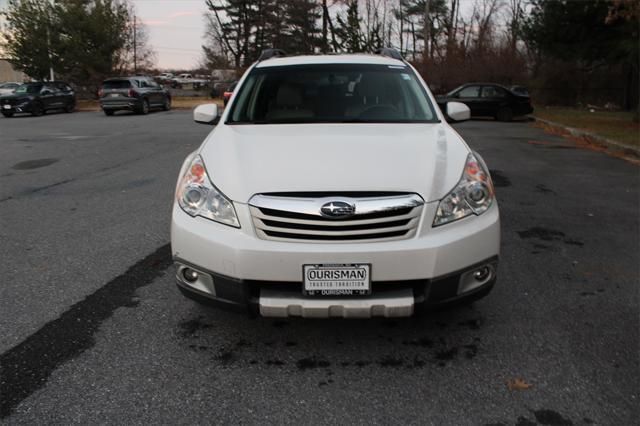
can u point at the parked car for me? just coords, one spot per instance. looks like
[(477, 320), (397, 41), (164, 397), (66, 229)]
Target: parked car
[(227, 93), (520, 90), (489, 100), (333, 186), (188, 79), (164, 77), (7, 88), (138, 94), (38, 98)]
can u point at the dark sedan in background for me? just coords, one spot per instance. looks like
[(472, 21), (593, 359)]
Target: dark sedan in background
[(38, 98), (489, 100), (139, 94)]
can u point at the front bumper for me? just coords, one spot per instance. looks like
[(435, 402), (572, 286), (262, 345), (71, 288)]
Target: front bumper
[(241, 271), (24, 107)]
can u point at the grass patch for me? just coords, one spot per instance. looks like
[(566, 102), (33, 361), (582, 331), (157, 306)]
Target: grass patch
[(616, 125), (176, 102), (192, 102)]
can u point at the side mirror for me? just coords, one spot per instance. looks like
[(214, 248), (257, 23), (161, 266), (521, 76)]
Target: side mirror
[(206, 114), (457, 111)]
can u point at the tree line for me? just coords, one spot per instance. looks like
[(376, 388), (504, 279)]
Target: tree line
[(82, 41), (570, 49)]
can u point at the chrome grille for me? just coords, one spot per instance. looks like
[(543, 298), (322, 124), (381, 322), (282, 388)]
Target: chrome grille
[(379, 218)]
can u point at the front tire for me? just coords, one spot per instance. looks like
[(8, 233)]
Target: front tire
[(144, 109), (504, 114), (37, 110), (7, 114), (108, 112), (69, 107), (167, 104)]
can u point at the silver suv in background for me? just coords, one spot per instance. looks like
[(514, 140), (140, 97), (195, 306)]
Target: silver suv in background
[(137, 94)]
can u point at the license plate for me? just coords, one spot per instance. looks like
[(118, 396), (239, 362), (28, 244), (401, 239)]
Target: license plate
[(6, 106), (337, 280), (114, 95)]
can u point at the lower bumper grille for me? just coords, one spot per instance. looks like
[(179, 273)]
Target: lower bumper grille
[(283, 218)]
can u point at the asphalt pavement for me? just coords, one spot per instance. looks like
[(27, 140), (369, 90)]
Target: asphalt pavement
[(93, 330)]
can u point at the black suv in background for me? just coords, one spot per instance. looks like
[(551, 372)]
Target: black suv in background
[(38, 98), (138, 94), (489, 100)]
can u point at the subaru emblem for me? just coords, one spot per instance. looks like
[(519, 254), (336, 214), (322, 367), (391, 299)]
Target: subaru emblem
[(337, 209)]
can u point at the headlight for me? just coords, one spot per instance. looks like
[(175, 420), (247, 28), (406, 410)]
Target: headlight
[(197, 196), (472, 195)]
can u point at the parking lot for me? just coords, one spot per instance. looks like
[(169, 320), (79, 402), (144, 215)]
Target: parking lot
[(93, 330)]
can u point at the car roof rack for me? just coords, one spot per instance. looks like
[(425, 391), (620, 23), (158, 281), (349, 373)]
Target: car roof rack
[(271, 53), (389, 52)]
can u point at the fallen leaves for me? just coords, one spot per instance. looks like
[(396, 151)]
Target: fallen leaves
[(518, 384)]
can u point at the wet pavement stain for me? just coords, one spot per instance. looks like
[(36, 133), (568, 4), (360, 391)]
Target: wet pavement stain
[(523, 421), (473, 324), (543, 189), (541, 234), (390, 362), (199, 348), (545, 234), (418, 362), (311, 363), (499, 179), (35, 164), (446, 355), (280, 324), (470, 351), (425, 342), (190, 327), (551, 418), (133, 303), (226, 357), (33, 361)]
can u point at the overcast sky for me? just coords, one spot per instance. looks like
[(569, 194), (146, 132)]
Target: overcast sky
[(175, 30), (176, 27)]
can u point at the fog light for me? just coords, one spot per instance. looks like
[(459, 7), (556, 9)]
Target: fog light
[(190, 275), (482, 273)]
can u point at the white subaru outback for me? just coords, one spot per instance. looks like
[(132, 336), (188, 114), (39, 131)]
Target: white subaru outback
[(332, 186)]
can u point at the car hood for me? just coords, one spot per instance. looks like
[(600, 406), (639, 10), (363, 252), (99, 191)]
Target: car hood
[(243, 160)]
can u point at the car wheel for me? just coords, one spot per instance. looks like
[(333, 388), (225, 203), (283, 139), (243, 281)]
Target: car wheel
[(144, 109), (167, 104), (504, 114), (108, 112), (70, 107), (7, 114), (37, 110)]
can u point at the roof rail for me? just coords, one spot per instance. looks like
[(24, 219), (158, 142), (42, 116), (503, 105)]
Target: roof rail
[(271, 53), (389, 52)]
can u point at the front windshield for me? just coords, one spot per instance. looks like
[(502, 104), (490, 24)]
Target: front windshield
[(330, 93), (28, 88)]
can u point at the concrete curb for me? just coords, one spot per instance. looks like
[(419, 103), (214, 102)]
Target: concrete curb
[(589, 136)]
